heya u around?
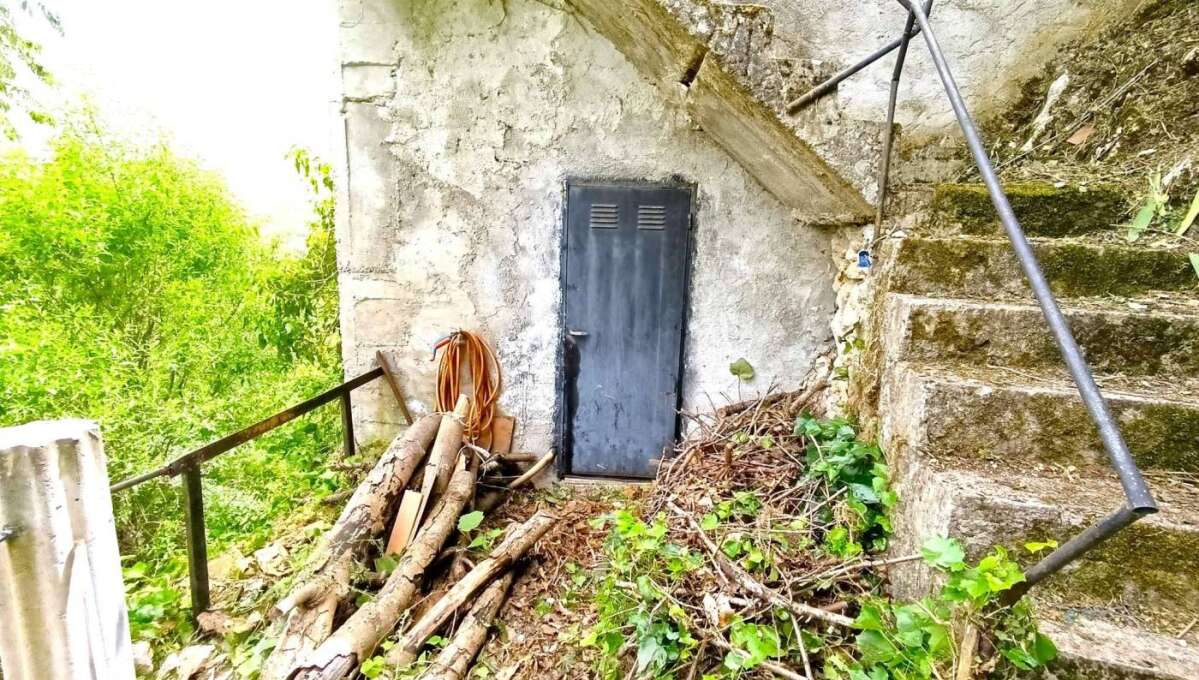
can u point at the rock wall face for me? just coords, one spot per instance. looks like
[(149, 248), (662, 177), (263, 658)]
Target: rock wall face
[(462, 121)]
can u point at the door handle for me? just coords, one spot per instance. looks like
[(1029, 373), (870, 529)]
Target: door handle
[(576, 334)]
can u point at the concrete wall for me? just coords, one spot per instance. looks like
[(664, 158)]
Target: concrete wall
[(462, 119), (992, 46)]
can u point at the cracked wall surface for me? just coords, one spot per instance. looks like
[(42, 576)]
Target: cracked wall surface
[(992, 46), (462, 119)]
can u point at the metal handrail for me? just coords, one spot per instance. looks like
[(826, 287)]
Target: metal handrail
[(189, 466), (1139, 500)]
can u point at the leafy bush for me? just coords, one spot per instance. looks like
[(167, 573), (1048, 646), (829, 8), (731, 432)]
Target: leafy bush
[(914, 641), (137, 293), (836, 454)]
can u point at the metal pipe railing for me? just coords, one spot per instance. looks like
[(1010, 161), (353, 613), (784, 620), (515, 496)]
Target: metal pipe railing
[(189, 466), (835, 80), (1138, 498)]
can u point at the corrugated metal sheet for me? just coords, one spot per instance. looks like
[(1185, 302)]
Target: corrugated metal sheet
[(62, 599)]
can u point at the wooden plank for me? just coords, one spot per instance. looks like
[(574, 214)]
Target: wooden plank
[(405, 524), (502, 429), (391, 375)]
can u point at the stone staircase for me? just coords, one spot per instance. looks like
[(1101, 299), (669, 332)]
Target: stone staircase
[(991, 443)]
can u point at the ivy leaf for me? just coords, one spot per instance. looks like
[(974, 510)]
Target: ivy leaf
[(943, 552), (876, 648), (870, 618), (1189, 219), (742, 369), (470, 521), (1035, 547), (709, 522), (1043, 649)]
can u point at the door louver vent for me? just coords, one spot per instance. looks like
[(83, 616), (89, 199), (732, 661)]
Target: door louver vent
[(651, 217), (604, 216)]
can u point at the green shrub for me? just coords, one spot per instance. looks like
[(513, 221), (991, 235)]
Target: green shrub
[(136, 292)]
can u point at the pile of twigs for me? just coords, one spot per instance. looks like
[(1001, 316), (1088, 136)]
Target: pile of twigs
[(752, 447)]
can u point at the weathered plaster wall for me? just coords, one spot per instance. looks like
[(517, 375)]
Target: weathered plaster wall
[(462, 119), (992, 45)]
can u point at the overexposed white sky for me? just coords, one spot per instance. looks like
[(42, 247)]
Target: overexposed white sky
[(232, 83)]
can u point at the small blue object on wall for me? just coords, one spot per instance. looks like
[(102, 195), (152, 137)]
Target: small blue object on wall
[(864, 259)]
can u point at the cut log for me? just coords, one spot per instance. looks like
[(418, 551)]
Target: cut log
[(455, 660), (353, 642), (443, 457), (308, 626), (515, 544), (310, 606)]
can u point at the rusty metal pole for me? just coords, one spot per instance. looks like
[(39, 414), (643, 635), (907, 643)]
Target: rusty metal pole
[(347, 423), (197, 539)]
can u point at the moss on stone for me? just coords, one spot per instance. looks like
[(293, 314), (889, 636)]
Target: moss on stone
[(1083, 270), (983, 269), (1043, 209), (1116, 343), (1133, 558)]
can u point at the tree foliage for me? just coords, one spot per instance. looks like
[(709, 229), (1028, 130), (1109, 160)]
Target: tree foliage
[(137, 293), (17, 52)]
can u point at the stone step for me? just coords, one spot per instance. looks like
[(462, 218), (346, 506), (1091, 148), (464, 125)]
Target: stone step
[(986, 268), (997, 415), (1042, 208), (1149, 569), (1153, 337), (1089, 648)]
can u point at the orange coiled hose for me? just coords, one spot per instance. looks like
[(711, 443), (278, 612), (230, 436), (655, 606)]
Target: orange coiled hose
[(464, 346)]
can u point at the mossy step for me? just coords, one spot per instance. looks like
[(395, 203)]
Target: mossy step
[(1089, 649), (1042, 208), (975, 267), (1150, 567), (1137, 338), (980, 415)]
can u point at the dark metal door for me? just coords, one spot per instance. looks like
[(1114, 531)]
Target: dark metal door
[(625, 295)]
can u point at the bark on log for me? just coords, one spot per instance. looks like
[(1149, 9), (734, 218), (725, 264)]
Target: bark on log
[(516, 544), (312, 603), (353, 642), (455, 660)]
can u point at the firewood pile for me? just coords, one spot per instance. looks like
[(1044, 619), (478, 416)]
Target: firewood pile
[(408, 506)]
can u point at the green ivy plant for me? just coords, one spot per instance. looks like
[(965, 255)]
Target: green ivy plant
[(915, 641), (835, 453), (632, 598)]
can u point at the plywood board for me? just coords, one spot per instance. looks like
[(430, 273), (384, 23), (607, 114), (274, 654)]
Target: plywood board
[(405, 524), (501, 434)]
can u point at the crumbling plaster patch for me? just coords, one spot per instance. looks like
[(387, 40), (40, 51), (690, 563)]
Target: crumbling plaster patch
[(454, 203)]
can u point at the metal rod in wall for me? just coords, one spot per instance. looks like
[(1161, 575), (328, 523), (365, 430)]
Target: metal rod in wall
[(884, 173), (832, 83)]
